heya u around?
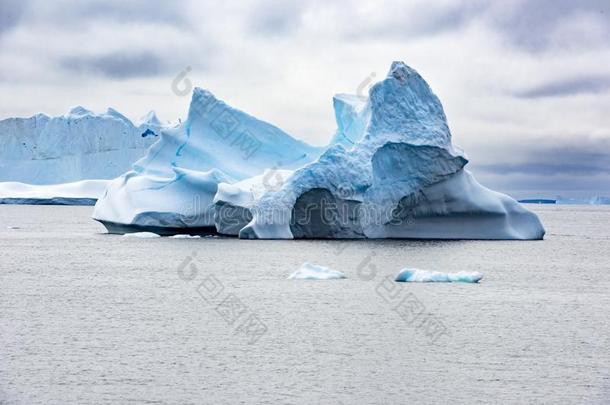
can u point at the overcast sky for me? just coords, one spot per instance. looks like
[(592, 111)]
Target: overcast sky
[(525, 84)]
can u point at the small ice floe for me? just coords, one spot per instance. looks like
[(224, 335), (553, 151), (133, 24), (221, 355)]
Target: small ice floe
[(185, 236), (425, 276), (13, 227), (309, 271), (142, 235)]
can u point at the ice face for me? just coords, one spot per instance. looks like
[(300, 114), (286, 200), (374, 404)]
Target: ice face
[(309, 271), (402, 179), (79, 145), (352, 115), (174, 185), (232, 202), (217, 136), (425, 276)]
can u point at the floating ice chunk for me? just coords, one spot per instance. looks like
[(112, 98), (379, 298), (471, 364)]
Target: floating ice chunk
[(309, 271), (185, 236), (13, 227), (142, 235), (424, 276)]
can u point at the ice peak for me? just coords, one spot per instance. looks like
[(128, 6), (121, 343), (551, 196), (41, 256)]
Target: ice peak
[(114, 113), (79, 111), (404, 105), (201, 102), (401, 71), (150, 119)]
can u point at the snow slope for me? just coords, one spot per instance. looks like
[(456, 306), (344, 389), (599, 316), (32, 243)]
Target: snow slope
[(79, 145), (171, 189), (402, 179), (84, 192)]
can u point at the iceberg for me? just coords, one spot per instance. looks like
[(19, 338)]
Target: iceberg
[(596, 200), (142, 235), (401, 178), (424, 276), (309, 271), (390, 171), (84, 192), (79, 145), (171, 190)]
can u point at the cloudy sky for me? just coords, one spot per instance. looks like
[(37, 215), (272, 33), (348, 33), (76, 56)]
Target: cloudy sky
[(525, 84)]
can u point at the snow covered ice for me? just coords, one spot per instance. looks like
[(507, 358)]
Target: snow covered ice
[(84, 192), (424, 276), (309, 271), (141, 235)]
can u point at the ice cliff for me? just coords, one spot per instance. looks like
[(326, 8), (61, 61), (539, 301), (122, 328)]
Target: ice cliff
[(80, 145)]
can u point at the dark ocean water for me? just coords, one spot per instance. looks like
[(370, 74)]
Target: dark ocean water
[(90, 318)]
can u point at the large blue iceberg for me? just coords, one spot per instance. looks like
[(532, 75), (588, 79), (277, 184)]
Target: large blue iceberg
[(390, 171)]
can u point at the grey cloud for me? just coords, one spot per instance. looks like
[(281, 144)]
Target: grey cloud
[(546, 169), (118, 65), (583, 85), (580, 156), (155, 11), (11, 12), (276, 17), (410, 22), (133, 11), (531, 24)]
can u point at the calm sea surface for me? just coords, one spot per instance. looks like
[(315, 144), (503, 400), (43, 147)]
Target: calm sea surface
[(90, 318)]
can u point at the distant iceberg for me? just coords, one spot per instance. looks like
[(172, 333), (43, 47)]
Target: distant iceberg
[(597, 200), (79, 145), (309, 271), (68, 159), (425, 276)]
